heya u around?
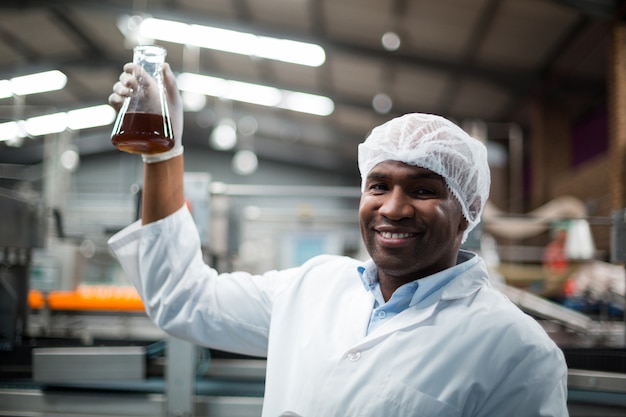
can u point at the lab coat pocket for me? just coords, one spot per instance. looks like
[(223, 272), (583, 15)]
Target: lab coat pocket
[(401, 400)]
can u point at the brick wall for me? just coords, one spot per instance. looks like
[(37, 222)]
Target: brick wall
[(589, 183)]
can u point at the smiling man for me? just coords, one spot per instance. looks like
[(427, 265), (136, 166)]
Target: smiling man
[(411, 223), (416, 330)]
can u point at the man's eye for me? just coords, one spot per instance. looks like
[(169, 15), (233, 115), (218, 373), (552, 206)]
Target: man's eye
[(423, 192), (378, 187)]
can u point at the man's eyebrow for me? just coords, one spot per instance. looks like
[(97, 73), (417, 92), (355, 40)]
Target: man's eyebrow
[(377, 175)]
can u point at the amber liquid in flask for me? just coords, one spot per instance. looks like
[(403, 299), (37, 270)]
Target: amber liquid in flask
[(144, 133), (143, 124)]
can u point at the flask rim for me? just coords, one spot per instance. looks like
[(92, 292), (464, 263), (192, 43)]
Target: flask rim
[(150, 50)]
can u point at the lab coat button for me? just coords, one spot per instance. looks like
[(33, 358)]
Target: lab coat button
[(354, 356)]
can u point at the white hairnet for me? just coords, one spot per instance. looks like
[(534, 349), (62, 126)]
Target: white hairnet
[(437, 144)]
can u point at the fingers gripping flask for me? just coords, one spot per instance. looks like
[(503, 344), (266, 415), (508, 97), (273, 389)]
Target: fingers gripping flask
[(143, 124)]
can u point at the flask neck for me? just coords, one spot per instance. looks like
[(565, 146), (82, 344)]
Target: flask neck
[(150, 57)]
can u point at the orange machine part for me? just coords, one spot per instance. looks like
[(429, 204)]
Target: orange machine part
[(100, 298)]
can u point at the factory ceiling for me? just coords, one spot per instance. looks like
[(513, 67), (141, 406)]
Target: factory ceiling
[(469, 60)]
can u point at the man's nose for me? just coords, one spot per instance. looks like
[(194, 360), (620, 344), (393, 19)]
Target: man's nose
[(396, 205)]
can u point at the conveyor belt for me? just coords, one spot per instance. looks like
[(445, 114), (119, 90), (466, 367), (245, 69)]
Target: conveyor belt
[(546, 309)]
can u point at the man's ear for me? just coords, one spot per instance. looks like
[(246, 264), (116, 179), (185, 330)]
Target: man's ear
[(463, 224)]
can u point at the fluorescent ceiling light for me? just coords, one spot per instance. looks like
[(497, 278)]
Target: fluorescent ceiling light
[(256, 94), (5, 89), (252, 93), (10, 130), (33, 84), (49, 123), (286, 50), (78, 119), (90, 117), (232, 90), (307, 103)]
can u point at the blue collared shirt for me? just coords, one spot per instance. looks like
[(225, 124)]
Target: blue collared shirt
[(420, 292)]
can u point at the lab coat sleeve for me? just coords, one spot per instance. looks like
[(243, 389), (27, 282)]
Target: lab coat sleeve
[(187, 298)]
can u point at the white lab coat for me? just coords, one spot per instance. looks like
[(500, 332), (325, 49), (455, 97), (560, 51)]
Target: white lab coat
[(472, 353)]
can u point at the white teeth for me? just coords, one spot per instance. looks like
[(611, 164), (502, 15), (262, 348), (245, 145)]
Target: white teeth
[(389, 235)]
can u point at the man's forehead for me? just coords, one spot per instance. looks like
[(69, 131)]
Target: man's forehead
[(386, 167)]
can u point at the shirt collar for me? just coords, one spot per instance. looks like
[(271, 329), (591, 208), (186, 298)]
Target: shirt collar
[(368, 273)]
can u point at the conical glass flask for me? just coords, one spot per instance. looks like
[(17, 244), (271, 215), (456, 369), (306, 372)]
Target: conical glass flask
[(143, 123)]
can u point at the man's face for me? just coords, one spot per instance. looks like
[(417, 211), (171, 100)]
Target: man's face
[(411, 223)]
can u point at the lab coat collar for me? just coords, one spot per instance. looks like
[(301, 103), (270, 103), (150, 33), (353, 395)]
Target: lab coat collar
[(464, 285), (368, 273), (468, 282)]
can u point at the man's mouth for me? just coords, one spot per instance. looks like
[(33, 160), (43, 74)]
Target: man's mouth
[(392, 235)]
